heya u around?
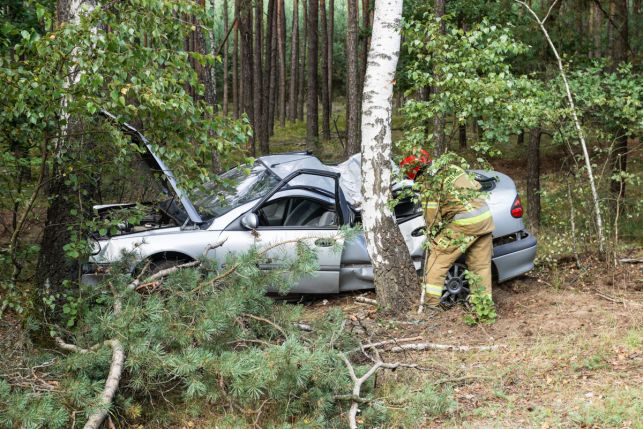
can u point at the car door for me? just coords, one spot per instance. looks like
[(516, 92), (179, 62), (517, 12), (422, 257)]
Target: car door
[(290, 214)]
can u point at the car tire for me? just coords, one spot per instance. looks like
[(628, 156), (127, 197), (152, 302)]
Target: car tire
[(456, 286)]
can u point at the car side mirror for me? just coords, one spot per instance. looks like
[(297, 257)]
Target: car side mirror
[(250, 221)]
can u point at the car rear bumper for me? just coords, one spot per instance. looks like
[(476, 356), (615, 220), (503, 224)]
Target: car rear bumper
[(514, 255)]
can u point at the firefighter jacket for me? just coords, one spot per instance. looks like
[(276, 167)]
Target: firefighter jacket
[(458, 205)]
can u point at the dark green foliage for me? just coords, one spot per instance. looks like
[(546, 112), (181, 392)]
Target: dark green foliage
[(202, 338)]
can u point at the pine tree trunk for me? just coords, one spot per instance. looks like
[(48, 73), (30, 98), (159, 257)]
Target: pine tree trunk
[(352, 84), (312, 127), (302, 65), (396, 281), (226, 27), (462, 135), (274, 72), (438, 121), (331, 32), (595, 29), (365, 40), (247, 67), (260, 119), (235, 64), (325, 97), (268, 75), (533, 179), (294, 63), (619, 52), (281, 49)]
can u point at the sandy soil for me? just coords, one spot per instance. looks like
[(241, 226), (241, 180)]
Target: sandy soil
[(570, 351)]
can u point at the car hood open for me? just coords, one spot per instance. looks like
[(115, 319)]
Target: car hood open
[(156, 164)]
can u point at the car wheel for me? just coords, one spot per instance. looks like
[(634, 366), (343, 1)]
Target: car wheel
[(456, 286)]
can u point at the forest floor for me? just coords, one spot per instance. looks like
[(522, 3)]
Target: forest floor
[(570, 351)]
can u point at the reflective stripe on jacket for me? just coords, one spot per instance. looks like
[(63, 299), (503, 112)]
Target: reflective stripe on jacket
[(468, 216)]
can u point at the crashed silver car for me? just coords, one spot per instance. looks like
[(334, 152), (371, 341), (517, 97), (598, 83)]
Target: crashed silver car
[(294, 195)]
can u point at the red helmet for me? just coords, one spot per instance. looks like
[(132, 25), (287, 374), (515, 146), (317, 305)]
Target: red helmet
[(412, 164)]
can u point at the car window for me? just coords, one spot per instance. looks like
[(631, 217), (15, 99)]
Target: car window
[(297, 212), (238, 186)]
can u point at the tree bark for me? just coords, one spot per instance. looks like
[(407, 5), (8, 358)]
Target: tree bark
[(352, 85), (294, 63), (365, 42), (247, 67), (226, 27), (281, 31), (533, 179), (312, 126), (274, 70), (260, 119), (268, 75), (54, 268), (325, 97), (619, 47), (331, 32), (595, 23), (438, 121), (462, 135), (396, 281), (235, 63), (302, 65)]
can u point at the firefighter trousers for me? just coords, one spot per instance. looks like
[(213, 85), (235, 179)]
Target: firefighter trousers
[(445, 250)]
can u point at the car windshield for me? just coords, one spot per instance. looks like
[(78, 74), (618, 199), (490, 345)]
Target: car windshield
[(238, 186)]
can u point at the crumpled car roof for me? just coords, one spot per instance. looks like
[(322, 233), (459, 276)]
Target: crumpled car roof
[(350, 180)]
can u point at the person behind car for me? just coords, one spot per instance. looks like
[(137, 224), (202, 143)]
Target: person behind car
[(457, 220)]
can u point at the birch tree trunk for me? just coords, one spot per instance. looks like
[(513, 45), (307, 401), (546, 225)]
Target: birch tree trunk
[(396, 281), (54, 267)]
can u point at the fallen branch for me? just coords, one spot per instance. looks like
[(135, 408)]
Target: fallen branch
[(365, 300), (111, 384), (163, 273), (96, 419), (630, 261), (617, 300), (358, 382), (444, 347), (386, 342)]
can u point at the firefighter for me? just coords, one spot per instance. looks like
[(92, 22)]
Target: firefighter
[(452, 202)]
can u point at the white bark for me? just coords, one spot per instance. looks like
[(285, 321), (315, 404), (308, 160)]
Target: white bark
[(376, 121), (579, 130)]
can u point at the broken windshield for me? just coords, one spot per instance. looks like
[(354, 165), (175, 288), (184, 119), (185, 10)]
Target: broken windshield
[(238, 186)]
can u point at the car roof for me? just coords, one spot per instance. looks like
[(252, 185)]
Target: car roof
[(284, 164)]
